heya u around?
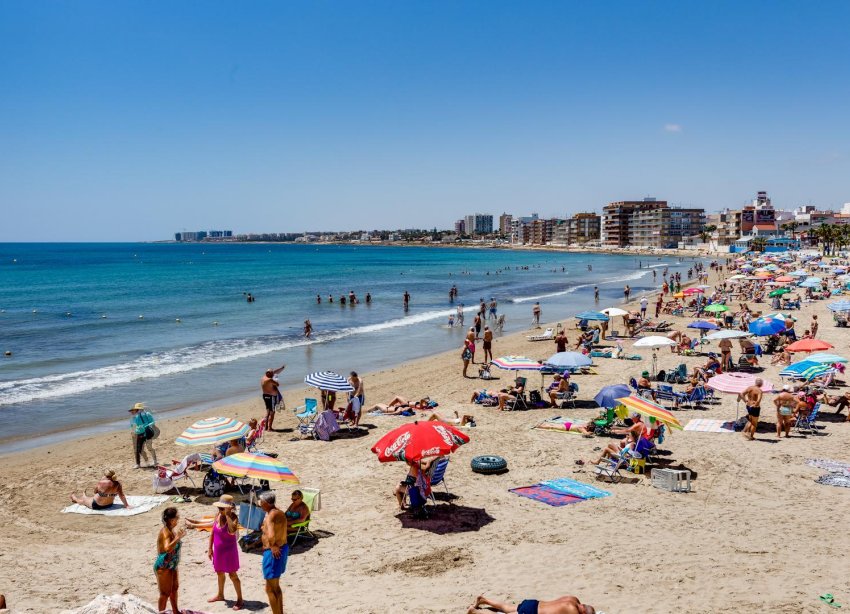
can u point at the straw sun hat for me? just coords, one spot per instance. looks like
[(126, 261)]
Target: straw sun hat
[(225, 502), (137, 407)]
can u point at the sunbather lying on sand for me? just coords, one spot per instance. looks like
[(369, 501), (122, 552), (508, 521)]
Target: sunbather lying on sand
[(399, 405), (458, 419), (562, 605)]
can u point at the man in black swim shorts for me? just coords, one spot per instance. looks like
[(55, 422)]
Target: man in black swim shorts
[(752, 399), (562, 605), (269, 386)]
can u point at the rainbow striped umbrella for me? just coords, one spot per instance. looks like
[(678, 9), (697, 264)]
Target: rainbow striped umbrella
[(517, 363), (650, 409), (255, 466), (210, 431)]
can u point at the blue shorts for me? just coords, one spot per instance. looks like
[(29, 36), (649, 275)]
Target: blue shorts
[(273, 568), (529, 606)]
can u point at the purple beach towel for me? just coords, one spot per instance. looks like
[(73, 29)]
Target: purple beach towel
[(545, 495)]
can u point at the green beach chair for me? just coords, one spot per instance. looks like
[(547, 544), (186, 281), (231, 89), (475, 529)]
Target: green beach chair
[(314, 503)]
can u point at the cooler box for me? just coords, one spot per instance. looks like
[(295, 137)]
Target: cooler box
[(674, 480)]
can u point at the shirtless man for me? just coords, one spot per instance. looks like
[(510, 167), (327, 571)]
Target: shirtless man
[(357, 397), (562, 605), (493, 307), (561, 341), (785, 403), (488, 344), (752, 399), (270, 393), (275, 550), (535, 312)]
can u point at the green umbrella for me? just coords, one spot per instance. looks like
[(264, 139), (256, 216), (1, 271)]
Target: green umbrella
[(716, 307), (779, 292)]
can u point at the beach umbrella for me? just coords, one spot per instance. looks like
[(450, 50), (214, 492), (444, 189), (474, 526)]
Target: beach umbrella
[(704, 287), (716, 308), (842, 305), (766, 326), (771, 267), (785, 279), (414, 441), (654, 341), (328, 380), (805, 369), (728, 334), (736, 382), (255, 466), (613, 312), (808, 345), (679, 295), (517, 363), (568, 360), (703, 325), (827, 358), (210, 431), (607, 397), (779, 292), (694, 290), (736, 277), (592, 315), (646, 407), (798, 273)]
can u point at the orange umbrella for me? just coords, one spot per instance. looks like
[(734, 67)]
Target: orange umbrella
[(785, 279), (809, 345)]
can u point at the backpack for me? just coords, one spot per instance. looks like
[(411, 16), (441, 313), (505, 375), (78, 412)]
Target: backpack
[(534, 397)]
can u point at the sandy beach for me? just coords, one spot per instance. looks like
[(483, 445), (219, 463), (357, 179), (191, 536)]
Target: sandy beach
[(756, 534)]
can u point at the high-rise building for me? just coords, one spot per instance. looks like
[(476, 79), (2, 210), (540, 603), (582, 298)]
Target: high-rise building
[(648, 223), (583, 227), (505, 221), (479, 224), (460, 227)]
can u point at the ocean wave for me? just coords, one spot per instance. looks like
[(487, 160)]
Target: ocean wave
[(182, 360), (570, 290)]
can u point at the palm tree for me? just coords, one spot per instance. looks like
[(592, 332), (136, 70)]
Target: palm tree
[(758, 244), (792, 226)]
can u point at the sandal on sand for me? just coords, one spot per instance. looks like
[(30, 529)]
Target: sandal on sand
[(579, 462), (829, 600)]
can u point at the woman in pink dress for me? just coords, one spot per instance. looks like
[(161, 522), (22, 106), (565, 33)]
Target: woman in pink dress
[(224, 548)]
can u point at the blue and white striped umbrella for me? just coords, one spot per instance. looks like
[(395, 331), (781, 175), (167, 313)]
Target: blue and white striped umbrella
[(843, 305), (328, 380), (805, 369), (811, 282), (824, 357)]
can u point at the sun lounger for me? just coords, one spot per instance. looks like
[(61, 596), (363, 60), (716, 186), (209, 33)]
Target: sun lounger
[(547, 335)]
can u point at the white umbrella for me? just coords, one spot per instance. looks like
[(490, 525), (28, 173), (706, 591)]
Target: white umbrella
[(727, 334), (654, 342), (613, 312)]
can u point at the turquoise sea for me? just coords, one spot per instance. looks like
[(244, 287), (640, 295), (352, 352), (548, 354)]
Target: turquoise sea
[(93, 328)]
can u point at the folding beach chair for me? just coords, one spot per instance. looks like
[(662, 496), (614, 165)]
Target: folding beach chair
[(438, 475), (806, 424), (610, 468), (166, 478), (547, 335), (306, 416), (519, 401), (602, 425), (313, 501)]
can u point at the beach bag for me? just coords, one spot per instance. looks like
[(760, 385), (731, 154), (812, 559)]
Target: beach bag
[(534, 397)]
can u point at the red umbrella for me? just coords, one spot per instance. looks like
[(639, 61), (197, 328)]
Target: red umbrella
[(809, 345), (693, 291), (417, 440)]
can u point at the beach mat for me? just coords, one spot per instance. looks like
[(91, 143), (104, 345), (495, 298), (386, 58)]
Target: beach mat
[(140, 505), (834, 479), (706, 425), (577, 489), (545, 495), (833, 466)]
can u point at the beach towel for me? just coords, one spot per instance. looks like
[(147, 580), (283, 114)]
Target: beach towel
[(834, 479), (545, 495), (830, 465), (705, 425), (140, 505), (577, 489)]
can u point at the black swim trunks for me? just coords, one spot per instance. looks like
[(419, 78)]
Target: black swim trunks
[(269, 400), (753, 411), (528, 606)]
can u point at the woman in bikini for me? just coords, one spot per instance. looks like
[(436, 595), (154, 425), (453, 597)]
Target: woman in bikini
[(168, 557), (104, 493)]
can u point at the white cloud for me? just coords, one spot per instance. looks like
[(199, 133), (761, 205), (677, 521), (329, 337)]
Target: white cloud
[(672, 127)]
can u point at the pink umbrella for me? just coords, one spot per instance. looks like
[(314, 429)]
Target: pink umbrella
[(693, 291), (736, 382)]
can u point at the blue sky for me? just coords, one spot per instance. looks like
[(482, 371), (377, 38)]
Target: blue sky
[(132, 120)]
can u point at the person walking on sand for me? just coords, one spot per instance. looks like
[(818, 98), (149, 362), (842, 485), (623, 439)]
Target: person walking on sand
[(752, 400), (535, 313), (644, 303), (488, 344), (477, 324), (814, 326), (467, 354), (568, 604), (275, 550), (223, 550), (168, 557), (271, 393), (144, 431)]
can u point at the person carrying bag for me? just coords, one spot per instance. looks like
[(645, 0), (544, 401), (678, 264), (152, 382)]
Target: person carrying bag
[(144, 431)]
